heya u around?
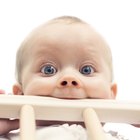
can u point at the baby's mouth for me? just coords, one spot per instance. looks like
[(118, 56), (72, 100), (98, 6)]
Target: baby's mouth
[(69, 93)]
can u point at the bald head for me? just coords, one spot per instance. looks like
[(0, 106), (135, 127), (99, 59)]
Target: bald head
[(70, 23)]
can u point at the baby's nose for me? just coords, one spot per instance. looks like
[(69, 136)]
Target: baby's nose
[(69, 81)]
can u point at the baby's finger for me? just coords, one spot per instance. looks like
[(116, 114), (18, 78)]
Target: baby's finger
[(7, 125), (2, 91)]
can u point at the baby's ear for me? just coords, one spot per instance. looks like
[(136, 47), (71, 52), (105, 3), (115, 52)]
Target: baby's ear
[(114, 90), (17, 89)]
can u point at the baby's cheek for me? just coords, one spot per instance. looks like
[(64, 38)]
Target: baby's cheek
[(39, 88), (99, 90)]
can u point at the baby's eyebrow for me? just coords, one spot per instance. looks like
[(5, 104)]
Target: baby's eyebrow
[(43, 58), (47, 50)]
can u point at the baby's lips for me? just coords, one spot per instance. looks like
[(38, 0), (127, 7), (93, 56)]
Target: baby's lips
[(2, 91)]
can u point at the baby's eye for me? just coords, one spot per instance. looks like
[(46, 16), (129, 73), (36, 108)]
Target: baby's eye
[(87, 70), (48, 70)]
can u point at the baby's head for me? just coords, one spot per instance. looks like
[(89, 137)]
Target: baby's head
[(65, 58)]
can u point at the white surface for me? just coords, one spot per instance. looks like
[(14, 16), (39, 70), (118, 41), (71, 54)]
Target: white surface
[(118, 21)]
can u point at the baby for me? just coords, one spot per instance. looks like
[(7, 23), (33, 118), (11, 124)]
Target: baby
[(63, 58)]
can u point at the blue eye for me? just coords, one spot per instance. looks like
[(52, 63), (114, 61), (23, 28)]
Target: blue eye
[(87, 70), (48, 70)]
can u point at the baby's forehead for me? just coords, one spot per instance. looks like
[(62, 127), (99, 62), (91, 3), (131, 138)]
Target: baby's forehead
[(72, 35), (65, 32), (55, 40)]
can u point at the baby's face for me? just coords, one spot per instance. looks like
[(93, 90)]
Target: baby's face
[(66, 61)]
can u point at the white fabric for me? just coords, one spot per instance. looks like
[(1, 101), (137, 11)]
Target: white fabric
[(123, 131), (62, 132)]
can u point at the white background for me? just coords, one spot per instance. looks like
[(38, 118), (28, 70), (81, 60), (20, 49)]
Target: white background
[(117, 20)]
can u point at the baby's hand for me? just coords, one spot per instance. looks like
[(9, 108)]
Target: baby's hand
[(2, 91), (7, 125)]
